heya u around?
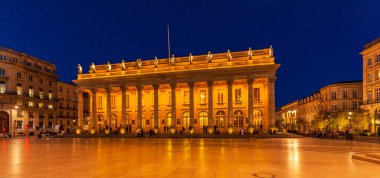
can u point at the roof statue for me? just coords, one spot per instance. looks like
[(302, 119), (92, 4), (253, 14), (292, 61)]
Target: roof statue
[(155, 61), (229, 55), (122, 65), (209, 57), (108, 66), (172, 60), (190, 58), (79, 69), (139, 63), (92, 68), (250, 53), (271, 51)]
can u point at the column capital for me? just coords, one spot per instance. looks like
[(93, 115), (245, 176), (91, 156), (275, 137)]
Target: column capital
[(250, 80), (191, 84), (272, 79), (156, 86), (108, 89), (138, 86), (230, 81), (93, 90), (210, 83), (173, 84), (123, 88)]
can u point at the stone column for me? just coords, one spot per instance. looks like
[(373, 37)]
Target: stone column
[(174, 110), (250, 105), (210, 107), (156, 116), (94, 122), (139, 106), (123, 106), (108, 90), (191, 87), (272, 100), (230, 109), (80, 109)]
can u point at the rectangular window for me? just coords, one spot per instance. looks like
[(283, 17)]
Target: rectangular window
[(30, 103), (345, 94), (345, 105), (378, 58), (256, 94), (142, 100), (237, 95), (50, 83), (19, 75), (31, 125), (203, 97), (19, 113), (31, 92), (19, 125), (127, 102), (113, 101), (31, 114), (369, 95), (41, 81), (41, 93), (40, 105), (100, 105), (333, 107), (2, 72), (369, 62), (50, 95), (377, 96), (333, 95), (354, 94), (355, 105), (220, 96), (369, 77), (2, 87), (186, 97), (19, 89), (30, 78), (169, 98), (50, 106)]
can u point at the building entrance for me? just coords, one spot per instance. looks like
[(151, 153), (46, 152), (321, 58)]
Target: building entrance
[(4, 122)]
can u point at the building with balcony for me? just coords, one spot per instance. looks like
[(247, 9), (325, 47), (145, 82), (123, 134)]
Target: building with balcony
[(371, 83), (225, 90)]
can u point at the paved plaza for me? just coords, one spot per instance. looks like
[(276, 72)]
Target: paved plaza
[(184, 157)]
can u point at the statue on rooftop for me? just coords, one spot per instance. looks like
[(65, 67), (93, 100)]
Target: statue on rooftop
[(229, 55), (209, 57), (92, 68), (155, 61), (172, 60), (270, 51), (108, 66), (139, 63), (250, 53), (122, 65), (190, 58), (79, 69)]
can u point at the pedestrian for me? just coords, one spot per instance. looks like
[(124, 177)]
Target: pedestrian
[(351, 133)]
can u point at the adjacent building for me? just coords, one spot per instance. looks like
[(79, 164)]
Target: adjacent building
[(371, 82), (334, 107), (29, 94), (225, 90)]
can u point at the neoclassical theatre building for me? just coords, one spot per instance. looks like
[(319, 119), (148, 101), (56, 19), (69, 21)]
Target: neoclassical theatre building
[(227, 90)]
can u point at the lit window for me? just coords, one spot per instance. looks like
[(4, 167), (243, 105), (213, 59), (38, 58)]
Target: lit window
[(203, 96), (50, 106), (50, 95), (41, 93), (169, 98), (2, 87), (30, 103), (31, 92), (40, 105), (19, 89), (220, 96), (237, 95), (256, 94)]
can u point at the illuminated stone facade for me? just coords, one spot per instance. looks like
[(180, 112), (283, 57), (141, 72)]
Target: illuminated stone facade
[(371, 82), (27, 92), (225, 90)]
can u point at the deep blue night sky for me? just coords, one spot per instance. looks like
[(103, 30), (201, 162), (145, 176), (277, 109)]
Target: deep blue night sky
[(317, 42)]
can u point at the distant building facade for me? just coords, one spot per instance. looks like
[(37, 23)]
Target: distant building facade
[(224, 90), (333, 107), (29, 95), (371, 82)]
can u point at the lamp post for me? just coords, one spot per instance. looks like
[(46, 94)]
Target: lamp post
[(14, 126), (349, 117)]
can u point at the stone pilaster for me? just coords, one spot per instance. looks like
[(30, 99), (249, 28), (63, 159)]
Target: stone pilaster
[(156, 116), (230, 109), (80, 109), (108, 91), (191, 87), (250, 105), (210, 107), (123, 106), (139, 106), (174, 110), (94, 122), (272, 101)]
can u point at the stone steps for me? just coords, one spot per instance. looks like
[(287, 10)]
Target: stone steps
[(371, 158)]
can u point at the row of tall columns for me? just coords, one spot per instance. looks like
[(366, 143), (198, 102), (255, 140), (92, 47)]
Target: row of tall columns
[(123, 106), (271, 104)]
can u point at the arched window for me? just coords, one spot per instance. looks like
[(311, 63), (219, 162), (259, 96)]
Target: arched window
[(2, 72), (203, 119), (169, 119), (220, 119), (186, 120), (238, 118), (257, 118)]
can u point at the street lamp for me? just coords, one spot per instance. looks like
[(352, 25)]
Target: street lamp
[(349, 117)]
